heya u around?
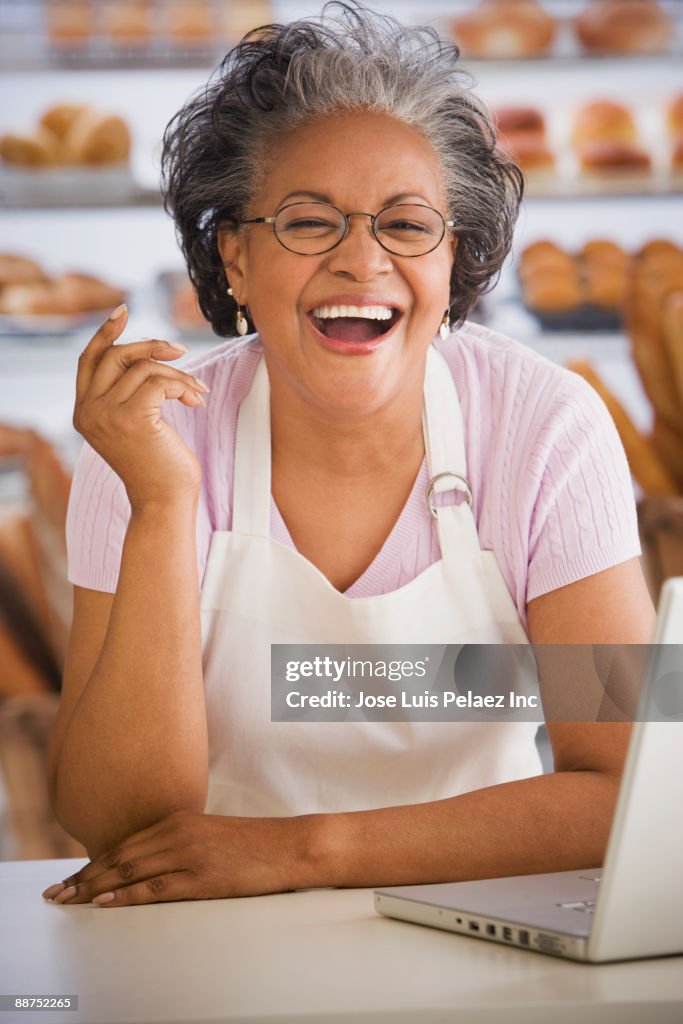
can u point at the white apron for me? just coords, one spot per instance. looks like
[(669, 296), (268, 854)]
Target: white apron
[(257, 592)]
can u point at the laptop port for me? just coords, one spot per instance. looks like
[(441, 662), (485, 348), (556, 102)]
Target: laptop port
[(523, 937), (490, 929), (507, 933), (473, 926)]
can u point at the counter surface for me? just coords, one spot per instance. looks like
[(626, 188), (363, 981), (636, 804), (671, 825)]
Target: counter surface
[(318, 955)]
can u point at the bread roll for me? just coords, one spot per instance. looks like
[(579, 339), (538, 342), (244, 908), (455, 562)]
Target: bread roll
[(19, 270), (551, 290), (519, 119), (601, 252), (69, 22), (674, 116), (128, 22), (58, 119), (83, 293), (624, 26), (529, 151), (190, 22), (609, 157), (505, 29), (603, 119), (95, 138), (37, 149), (545, 255), (677, 156), (605, 287), (67, 295)]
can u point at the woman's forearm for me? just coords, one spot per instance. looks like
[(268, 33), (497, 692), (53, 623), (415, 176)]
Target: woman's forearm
[(135, 746), (551, 822)]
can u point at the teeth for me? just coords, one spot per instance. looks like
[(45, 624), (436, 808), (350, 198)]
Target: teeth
[(364, 312)]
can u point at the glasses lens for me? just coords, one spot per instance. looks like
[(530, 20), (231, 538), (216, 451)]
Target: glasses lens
[(309, 228), (409, 230)]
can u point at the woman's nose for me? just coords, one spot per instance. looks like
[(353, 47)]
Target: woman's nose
[(359, 254)]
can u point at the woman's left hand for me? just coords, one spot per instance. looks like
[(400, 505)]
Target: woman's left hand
[(188, 856)]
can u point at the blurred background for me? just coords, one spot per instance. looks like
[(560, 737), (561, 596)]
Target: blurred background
[(588, 96)]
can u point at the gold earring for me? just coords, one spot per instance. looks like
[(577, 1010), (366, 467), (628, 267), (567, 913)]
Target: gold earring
[(240, 321), (445, 328)]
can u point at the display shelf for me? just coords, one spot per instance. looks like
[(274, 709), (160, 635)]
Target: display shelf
[(142, 196), (25, 43)]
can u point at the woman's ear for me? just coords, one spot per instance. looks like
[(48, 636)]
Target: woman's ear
[(232, 248)]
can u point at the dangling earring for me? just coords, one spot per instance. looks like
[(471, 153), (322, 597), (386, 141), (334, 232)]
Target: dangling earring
[(445, 328), (241, 320)]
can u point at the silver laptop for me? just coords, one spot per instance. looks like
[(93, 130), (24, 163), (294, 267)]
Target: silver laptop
[(632, 907)]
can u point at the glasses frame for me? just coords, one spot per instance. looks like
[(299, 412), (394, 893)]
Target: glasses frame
[(446, 225)]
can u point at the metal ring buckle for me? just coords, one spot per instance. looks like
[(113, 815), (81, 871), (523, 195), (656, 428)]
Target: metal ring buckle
[(464, 487)]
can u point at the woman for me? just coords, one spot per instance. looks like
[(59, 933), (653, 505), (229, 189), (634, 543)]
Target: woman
[(338, 187)]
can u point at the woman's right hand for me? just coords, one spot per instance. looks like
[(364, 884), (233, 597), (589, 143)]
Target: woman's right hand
[(120, 390)]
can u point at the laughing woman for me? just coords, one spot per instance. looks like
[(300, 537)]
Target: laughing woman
[(339, 198)]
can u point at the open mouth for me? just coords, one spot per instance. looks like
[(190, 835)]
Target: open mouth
[(354, 325)]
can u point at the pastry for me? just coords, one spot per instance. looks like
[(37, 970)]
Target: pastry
[(600, 252), (519, 119), (128, 22), (64, 296), (677, 156), (644, 462), (505, 28), (69, 22), (58, 119), (605, 287), (552, 291), (543, 255), (608, 157), (95, 138), (529, 151), (16, 269), (190, 22), (37, 149), (674, 116), (624, 26), (603, 119)]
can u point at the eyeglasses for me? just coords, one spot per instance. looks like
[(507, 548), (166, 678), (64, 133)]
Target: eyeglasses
[(309, 229)]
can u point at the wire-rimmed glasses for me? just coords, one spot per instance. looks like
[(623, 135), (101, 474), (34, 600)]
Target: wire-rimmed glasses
[(312, 228)]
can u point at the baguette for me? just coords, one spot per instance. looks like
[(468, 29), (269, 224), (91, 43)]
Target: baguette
[(645, 463)]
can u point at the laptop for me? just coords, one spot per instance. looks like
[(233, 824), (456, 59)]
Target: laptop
[(630, 908)]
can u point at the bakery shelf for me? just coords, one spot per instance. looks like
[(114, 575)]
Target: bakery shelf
[(25, 44)]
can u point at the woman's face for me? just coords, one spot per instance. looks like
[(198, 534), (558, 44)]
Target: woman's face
[(359, 162)]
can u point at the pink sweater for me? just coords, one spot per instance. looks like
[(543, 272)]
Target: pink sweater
[(551, 485)]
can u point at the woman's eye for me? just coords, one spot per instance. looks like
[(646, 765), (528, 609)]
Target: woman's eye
[(310, 225), (405, 227)]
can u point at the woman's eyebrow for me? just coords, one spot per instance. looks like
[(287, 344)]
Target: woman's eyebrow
[(320, 197)]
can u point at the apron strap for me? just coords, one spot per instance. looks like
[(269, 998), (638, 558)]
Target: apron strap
[(251, 487), (444, 437)]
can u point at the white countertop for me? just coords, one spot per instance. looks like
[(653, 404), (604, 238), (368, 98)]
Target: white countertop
[(318, 955)]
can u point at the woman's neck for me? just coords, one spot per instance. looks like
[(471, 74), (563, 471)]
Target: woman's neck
[(347, 445)]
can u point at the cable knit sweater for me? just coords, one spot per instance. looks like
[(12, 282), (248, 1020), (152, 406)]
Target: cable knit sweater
[(551, 486)]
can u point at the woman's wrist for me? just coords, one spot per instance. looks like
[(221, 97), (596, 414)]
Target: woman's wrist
[(316, 851)]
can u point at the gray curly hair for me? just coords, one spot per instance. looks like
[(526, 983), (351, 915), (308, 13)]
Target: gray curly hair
[(351, 58)]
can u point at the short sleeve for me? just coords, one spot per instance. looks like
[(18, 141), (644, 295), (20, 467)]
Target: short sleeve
[(96, 523), (584, 516)]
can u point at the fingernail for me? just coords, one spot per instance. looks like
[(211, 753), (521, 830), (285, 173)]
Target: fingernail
[(176, 345), (105, 897), (66, 895), (53, 890), (201, 384), (118, 312)]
